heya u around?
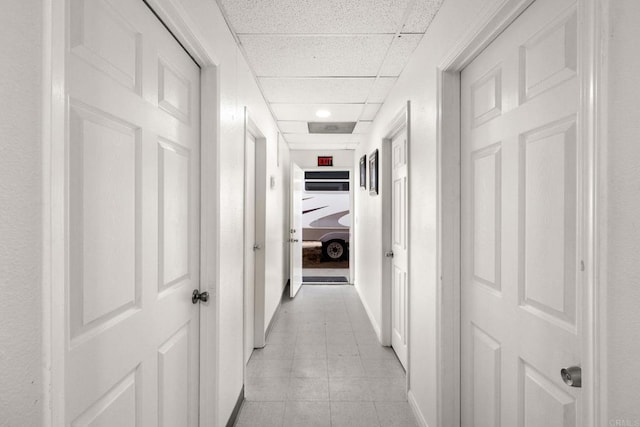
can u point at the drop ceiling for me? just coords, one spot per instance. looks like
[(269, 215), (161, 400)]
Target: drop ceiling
[(341, 56)]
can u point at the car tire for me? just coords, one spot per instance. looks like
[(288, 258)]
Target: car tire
[(334, 250)]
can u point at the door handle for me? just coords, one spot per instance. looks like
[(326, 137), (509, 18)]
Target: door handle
[(389, 254), (572, 376), (293, 240), (257, 246), (199, 296)]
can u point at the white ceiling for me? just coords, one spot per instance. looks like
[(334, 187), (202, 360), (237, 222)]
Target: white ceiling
[(342, 56)]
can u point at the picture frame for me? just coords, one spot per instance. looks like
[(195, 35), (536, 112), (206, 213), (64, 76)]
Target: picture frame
[(373, 173), (363, 171)]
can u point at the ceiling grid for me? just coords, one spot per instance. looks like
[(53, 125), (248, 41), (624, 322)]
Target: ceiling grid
[(341, 57)]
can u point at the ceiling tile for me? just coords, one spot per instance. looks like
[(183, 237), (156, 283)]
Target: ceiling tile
[(324, 139), (307, 112), (314, 17), (370, 111), (421, 16), (399, 53), (362, 127), (381, 88), (323, 146), (293, 127), (320, 90), (315, 56)]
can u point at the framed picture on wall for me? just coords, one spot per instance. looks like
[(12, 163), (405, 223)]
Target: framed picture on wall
[(363, 171), (373, 173)]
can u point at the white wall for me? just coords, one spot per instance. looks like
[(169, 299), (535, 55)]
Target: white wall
[(237, 90), (277, 255), (622, 281), (20, 213)]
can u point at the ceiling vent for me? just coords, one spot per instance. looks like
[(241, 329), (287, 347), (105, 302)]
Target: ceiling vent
[(331, 127)]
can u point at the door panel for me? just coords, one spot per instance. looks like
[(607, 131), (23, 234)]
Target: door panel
[(174, 172), (102, 36), (519, 224), (297, 183), (549, 235), (486, 202), (250, 240), (173, 377), (104, 155), (399, 236), (120, 405), (486, 372), (133, 220), (173, 92)]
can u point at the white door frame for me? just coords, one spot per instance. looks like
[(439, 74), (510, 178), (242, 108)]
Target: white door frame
[(260, 152), (401, 121), (294, 221), (351, 210), (54, 257), (591, 50)]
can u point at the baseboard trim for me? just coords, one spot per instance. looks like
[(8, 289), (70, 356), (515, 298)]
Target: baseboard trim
[(372, 320), (236, 410), (272, 321), (416, 410), (273, 317)]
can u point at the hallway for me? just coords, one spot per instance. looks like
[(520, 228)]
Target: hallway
[(323, 366), (154, 161)]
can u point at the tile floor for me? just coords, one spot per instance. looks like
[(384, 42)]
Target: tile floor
[(323, 366)]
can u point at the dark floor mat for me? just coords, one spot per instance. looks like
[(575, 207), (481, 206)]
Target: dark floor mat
[(324, 279)]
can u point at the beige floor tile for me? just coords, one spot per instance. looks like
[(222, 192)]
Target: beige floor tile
[(269, 368), (353, 414), (309, 368), (395, 414), (349, 390), (268, 389), (324, 366), (307, 414), (308, 389), (261, 414), (348, 366)]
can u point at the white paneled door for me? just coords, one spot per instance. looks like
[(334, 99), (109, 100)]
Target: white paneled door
[(249, 243), (520, 313), (399, 236), (133, 220), (297, 183)]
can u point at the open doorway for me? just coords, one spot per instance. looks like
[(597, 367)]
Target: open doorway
[(326, 226)]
